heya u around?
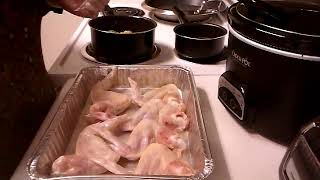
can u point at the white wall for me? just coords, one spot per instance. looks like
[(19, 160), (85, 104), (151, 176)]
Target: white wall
[(56, 30)]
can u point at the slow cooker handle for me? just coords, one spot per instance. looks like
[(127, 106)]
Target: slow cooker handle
[(180, 14)]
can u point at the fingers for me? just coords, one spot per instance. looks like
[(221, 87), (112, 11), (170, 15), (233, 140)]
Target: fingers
[(87, 10), (91, 8), (100, 4)]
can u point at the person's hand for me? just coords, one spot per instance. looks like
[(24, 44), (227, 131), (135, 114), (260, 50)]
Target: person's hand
[(84, 8)]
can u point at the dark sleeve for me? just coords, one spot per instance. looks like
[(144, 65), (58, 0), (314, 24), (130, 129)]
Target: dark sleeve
[(54, 8)]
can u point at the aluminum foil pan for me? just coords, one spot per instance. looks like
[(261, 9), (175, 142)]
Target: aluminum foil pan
[(61, 135)]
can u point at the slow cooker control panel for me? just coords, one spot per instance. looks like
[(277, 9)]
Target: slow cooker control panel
[(232, 95)]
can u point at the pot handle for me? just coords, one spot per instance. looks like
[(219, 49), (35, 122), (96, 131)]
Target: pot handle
[(107, 10), (180, 14)]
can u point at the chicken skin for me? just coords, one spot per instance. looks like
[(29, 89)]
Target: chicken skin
[(158, 159), (158, 93), (151, 128), (70, 165)]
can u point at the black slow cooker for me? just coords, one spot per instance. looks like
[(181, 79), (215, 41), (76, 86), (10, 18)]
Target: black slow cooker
[(272, 79)]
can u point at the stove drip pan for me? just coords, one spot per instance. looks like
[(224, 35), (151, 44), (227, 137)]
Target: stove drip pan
[(88, 53), (127, 11)]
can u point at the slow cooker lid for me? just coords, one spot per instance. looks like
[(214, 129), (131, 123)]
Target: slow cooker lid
[(289, 25), (291, 16)]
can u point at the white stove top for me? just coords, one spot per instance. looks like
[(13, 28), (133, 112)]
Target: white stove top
[(164, 39), (237, 154)]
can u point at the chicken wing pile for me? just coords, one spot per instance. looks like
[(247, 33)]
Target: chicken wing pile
[(155, 121)]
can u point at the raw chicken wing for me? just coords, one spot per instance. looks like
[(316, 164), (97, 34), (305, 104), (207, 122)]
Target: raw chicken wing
[(106, 103), (105, 84), (169, 90), (70, 165), (158, 129), (173, 117), (142, 135), (93, 144), (178, 142), (149, 110), (104, 110), (158, 159)]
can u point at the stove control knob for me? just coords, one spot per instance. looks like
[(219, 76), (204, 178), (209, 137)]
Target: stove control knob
[(232, 95)]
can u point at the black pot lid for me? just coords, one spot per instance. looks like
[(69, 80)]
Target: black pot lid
[(289, 25)]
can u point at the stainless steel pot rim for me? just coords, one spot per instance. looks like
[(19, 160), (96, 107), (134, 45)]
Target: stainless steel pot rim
[(134, 17), (164, 11), (190, 13), (168, 15), (147, 7), (201, 24), (136, 11), (169, 12)]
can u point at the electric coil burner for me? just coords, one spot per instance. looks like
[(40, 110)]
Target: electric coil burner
[(127, 11), (88, 53)]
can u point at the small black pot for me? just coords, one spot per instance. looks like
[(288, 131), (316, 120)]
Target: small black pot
[(197, 40), (118, 48)]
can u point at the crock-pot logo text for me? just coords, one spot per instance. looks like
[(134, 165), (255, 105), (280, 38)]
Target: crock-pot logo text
[(242, 60)]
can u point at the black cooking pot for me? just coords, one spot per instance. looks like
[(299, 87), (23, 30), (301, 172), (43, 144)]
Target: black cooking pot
[(195, 41), (272, 81), (122, 39), (198, 41)]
